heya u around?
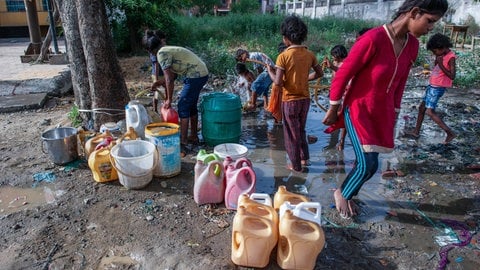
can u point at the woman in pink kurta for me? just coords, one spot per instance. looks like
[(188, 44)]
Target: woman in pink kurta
[(377, 66)]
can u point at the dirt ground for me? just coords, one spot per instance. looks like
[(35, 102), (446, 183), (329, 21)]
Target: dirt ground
[(57, 217)]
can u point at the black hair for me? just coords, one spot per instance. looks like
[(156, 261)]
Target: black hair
[(439, 41), (339, 51), (294, 29), (241, 68), (363, 31), (281, 47), (239, 53), (152, 43), (152, 39), (437, 7)]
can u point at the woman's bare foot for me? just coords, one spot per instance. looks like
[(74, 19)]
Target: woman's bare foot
[(450, 137), (353, 207), (341, 204)]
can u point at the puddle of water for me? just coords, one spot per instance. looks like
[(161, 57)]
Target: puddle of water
[(328, 166), (267, 151), (13, 199)]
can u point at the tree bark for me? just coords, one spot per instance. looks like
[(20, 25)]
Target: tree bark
[(97, 79), (107, 85)]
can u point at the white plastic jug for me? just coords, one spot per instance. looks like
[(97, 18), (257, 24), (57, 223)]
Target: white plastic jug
[(137, 117), (262, 198), (311, 211)]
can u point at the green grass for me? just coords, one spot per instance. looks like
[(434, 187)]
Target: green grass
[(216, 39)]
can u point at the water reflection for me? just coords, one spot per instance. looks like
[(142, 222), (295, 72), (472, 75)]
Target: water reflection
[(328, 166)]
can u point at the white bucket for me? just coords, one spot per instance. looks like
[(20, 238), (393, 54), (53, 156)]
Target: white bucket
[(134, 161), (233, 150)]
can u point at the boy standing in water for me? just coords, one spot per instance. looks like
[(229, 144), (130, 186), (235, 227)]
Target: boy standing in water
[(441, 77)]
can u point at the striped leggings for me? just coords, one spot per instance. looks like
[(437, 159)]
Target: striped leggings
[(365, 166)]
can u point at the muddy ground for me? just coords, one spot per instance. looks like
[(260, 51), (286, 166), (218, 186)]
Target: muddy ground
[(57, 217)]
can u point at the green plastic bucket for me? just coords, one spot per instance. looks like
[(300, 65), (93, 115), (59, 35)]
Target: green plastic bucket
[(221, 118)]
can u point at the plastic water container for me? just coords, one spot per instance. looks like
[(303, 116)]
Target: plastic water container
[(134, 161), (282, 195), (129, 135), (262, 198), (311, 211), (300, 241), (254, 234), (206, 157), (240, 178), (101, 166), (92, 143), (169, 115), (209, 186), (260, 204), (221, 118), (136, 116), (166, 136)]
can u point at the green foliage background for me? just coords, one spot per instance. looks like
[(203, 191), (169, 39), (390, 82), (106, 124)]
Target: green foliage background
[(216, 38)]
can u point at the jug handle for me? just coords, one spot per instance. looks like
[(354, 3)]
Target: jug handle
[(215, 167), (310, 205), (156, 156), (240, 163), (262, 198), (254, 177)]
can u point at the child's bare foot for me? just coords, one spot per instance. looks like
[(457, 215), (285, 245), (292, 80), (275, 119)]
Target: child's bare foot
[(305, 162), (450, 137), (341, 204)]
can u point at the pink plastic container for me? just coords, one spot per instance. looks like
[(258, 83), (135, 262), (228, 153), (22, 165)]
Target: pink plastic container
[(209, 186), (240, 178)]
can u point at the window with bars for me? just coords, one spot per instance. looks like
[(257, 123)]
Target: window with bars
[(19, 5)]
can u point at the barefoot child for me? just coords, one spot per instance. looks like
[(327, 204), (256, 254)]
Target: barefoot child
[(441, 77), (377, 69), (292, 73)]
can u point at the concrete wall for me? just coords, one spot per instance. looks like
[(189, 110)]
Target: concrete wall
[(381, 10)]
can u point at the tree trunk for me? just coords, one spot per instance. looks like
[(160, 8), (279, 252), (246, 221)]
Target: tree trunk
[(97, 78), (78, 66), (107, 85)]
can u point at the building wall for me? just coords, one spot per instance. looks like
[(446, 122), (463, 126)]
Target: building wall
[(382, 10), (18, 19)]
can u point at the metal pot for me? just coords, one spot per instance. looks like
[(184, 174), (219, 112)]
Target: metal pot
[(60, 144)]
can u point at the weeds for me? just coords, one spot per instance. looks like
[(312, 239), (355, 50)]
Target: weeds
[(74, 116)]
